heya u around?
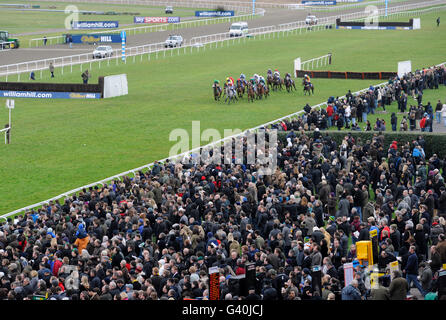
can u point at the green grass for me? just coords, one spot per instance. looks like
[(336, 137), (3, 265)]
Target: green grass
[(17, 22), (47, 156)]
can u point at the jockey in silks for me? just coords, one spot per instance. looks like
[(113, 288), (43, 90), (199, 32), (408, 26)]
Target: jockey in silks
[(254, 83), (307, 79), (262, 81), (269, 73), (216, 84), (243, 79), (256, 77), (276, 74), (230, 83)]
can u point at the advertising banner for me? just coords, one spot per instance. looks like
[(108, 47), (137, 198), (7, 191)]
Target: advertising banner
[(211, 14), (95, 24), (319, 3), (96, 38), (49, 95), (156, 19)]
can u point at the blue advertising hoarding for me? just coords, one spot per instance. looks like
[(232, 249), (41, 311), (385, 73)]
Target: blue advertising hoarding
[(49, 95), (95, 24), (96, 38), (319, 3), (212, 14)]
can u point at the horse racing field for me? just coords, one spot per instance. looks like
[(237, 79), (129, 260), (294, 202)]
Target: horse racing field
[(59, 145)]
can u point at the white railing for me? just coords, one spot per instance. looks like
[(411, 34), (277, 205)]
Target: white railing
[(190, 3), (173, 158), (153, 28), (319, 61), (176, 157), (157, 49)]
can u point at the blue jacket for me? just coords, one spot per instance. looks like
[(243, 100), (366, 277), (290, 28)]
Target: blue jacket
[(412, 264), (350, 293)]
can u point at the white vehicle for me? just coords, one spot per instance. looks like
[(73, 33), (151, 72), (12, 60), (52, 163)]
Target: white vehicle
[(174, 41), (238, 29), (103, 52), (169, 9), (311, 20)]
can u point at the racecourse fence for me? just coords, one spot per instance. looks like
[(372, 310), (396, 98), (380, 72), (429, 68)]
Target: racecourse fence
[(157, 50), (177, 157), (36, 42), (316, 62)]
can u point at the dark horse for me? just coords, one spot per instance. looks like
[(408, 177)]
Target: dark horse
[(308, 87), (278, 83), (240, 88), (217, 91), (251, 93), (270, 81), (289, 83)]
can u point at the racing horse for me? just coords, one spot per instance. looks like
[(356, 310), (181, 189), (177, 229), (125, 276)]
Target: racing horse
[(278, 83), (265, 91), (251, 93), (308, 87), (217, 91), (289, 83), (230, 94), (240, 88), (270, 81)]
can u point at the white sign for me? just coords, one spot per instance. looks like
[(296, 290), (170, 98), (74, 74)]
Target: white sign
[(404, 67), (416, 24), (10, 103), (115, 86), (297, 65)]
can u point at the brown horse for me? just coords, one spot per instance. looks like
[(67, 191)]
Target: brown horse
[(240, 88), (217, 91), (265, 91), (308, 87), (260, 90), (251, 93), (269, 81), (289, 83)]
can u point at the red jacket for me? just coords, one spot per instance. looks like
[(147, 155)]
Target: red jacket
[(423, 122), (330, 110)]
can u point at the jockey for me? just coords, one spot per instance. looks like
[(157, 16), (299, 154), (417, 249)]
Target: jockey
[(307, 78), (262, 80), (243, 79), (230, 82), (276, 73), (269, 73), (216, 83), (256, 77), (253, 82)]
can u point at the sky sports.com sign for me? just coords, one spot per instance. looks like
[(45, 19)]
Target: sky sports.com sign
[(156, 19)]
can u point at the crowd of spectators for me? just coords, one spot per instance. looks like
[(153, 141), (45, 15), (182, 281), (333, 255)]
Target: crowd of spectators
[(353, 110), (155, 235)]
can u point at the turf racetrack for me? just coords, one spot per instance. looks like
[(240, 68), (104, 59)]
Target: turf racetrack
[(62, 144)]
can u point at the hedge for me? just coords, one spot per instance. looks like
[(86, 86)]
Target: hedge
[(435, 142)]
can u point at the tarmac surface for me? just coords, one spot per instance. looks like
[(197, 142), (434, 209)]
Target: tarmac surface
[(271, 17)]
